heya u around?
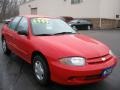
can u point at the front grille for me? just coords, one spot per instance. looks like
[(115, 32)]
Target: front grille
[(99, 59)]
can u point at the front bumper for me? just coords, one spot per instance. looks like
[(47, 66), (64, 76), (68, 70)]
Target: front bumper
[(71, 75)]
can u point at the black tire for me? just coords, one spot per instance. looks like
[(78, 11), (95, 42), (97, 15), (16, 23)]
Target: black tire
[(5, 48), (37, 59)]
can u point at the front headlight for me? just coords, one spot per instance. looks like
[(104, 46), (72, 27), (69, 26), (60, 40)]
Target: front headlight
[(73, 61), (111, 53)]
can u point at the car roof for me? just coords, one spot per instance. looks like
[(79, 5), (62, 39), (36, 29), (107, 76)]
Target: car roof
[(34, 16)]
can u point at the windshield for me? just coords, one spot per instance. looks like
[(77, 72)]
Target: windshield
[(84, 21), (81, 21), (42, 26)]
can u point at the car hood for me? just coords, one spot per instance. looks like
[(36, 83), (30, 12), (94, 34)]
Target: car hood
[(73, 45)]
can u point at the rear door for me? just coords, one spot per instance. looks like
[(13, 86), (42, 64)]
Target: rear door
[(10, 33)]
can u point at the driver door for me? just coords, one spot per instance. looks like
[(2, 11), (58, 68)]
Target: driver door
[(23, 41)]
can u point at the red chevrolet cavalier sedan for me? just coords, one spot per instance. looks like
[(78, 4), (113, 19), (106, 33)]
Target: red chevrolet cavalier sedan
[(56, 51)]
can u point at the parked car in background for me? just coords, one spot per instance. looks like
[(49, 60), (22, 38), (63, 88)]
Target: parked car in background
[(56, 51), (7, 21), (81, 24), (66, 18)]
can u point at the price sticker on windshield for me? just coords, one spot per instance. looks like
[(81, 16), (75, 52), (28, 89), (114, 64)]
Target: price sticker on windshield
[(40, 20)]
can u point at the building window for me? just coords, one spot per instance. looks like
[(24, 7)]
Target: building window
[(34, 11), (76, 1)]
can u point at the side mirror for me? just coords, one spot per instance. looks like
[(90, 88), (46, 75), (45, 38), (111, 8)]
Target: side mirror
[(23, 32)]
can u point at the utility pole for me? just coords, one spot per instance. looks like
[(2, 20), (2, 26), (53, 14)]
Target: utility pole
[(117, 20)]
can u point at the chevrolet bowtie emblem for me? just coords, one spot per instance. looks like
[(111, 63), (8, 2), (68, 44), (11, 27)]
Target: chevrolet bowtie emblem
[(103, 59)]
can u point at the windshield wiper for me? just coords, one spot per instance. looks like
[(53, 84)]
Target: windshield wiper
[(64, 33), (44, 35), (55, 34)]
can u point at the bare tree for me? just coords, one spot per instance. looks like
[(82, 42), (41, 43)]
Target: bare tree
[(4, 4), (9, 8), (12, 9)]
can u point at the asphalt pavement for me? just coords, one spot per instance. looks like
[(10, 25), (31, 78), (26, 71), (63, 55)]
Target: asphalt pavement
[(15, 74)]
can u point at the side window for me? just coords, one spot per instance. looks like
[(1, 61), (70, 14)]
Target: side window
[(23, 25), (14, 23)]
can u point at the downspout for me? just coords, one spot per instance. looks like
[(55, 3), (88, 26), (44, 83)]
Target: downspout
[(100, 23)]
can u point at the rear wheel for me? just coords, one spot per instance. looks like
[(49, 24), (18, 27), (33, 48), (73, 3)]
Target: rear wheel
[(5, 47), (41, 70)]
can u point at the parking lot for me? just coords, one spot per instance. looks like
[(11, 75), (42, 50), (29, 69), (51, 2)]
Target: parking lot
[(15, 74)]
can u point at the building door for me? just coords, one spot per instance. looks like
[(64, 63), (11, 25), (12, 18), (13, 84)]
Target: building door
[(34, 11)]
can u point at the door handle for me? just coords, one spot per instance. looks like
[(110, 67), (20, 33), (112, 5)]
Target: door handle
[(10, 35)]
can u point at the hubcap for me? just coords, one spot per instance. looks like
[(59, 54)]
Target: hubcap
[(39, 71), (4, 45), (88, 27), (74, 27)]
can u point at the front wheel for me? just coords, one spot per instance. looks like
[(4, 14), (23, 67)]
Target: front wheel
[(5, 47), (41, 70), (89, 27)]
